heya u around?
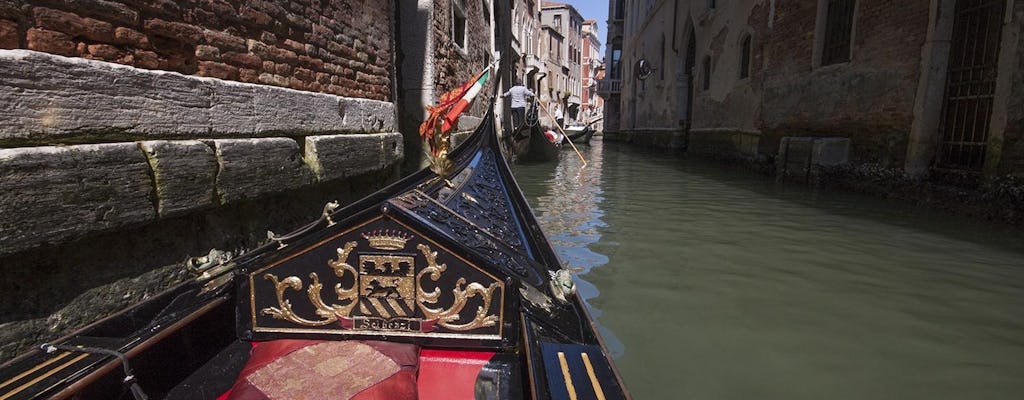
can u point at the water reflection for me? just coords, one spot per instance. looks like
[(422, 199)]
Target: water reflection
[(711, 283)]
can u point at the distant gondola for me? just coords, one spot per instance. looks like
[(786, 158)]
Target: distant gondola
[(580, 133), (434, 287)]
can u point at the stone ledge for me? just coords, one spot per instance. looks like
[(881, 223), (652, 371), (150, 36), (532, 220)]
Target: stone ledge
[(46, 98), (184, 173), (340, 156), (55, 194), (250, 168)]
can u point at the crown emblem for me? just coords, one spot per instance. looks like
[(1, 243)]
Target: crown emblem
[(387, 239)]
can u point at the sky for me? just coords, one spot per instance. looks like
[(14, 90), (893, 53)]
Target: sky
[(596, 10)]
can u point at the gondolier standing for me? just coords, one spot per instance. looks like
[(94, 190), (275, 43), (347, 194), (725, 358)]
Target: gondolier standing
[(519, 94)]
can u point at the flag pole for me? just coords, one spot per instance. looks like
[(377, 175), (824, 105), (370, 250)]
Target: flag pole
[(564, 135)]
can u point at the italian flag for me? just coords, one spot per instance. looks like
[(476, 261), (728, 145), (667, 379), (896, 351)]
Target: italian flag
[(443, 116)]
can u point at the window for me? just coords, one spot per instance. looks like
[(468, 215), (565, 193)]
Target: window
[(459, 24), (557, 23), (707, 73), (487, 11), (711, 4), (745, 57), (838, 30), (615, 72), (619, 9)]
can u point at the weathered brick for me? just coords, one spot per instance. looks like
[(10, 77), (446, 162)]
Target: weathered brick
[(146, 59), (104, 10), (248, 75), (218, 70), (242, 60), (49, 42), (174, 30), (283, 55), (130, 37), (207, 53), (255, 17), (73, 25), (105, 51), (220, 7), (224, 41), (9, 38), (295, 46)]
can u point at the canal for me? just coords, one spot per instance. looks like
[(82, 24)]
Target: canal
[(712, 283)]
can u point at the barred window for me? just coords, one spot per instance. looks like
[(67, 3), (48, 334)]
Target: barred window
[(838, 32)]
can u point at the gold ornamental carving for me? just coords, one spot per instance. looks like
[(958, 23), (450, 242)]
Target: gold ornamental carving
[(386, 291)]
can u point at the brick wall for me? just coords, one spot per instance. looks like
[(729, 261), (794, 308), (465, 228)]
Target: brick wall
[(454, 66), (869, 99), (337, 47)]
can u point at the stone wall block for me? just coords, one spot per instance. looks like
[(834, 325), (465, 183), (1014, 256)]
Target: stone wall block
[(339, 156), (55, 194), (368, 115), (49, 98), (250, 168), (184, 174), (281, 109)]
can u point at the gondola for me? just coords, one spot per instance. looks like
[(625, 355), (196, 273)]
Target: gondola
[(580, 133), (532, 145), (435, 287)]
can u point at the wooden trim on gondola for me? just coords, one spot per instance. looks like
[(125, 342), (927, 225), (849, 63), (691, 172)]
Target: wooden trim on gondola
[(146, 344), (604, 348), (39, 378)]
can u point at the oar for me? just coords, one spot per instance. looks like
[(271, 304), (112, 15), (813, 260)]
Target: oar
[(563, 134)]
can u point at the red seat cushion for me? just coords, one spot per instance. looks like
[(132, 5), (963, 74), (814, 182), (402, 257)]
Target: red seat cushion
[(312, 369), (450, 374)]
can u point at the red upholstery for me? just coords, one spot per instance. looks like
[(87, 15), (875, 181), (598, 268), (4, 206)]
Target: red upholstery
[(311, 369), (449, 374)]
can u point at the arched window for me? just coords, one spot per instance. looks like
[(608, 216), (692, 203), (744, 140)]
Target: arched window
[(745, 57)]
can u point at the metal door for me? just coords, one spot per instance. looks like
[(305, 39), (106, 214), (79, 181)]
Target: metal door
[(971, 83)]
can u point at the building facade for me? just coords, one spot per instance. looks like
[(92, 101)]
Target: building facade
[(922, 86), (609, 87), (562, 26), (592, 69)]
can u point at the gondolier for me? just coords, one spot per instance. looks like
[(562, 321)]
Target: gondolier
[(519, 95)]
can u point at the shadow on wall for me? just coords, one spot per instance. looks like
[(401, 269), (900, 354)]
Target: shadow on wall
[(412, 27)]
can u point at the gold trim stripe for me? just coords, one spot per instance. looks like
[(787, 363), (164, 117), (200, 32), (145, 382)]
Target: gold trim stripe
[(43, 376), (34, 369), (593, 376), (565, 375)]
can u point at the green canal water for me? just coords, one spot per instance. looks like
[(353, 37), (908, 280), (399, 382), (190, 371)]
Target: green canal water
[(711, 283)]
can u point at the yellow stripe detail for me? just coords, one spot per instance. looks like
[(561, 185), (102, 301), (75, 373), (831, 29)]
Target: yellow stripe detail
[(565, 374), (34, 369), (44, 376), (593, 376)]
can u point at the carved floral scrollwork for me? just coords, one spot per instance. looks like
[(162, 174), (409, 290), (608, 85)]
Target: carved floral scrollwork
[(447, 317), (349, 297), (328, 313)]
